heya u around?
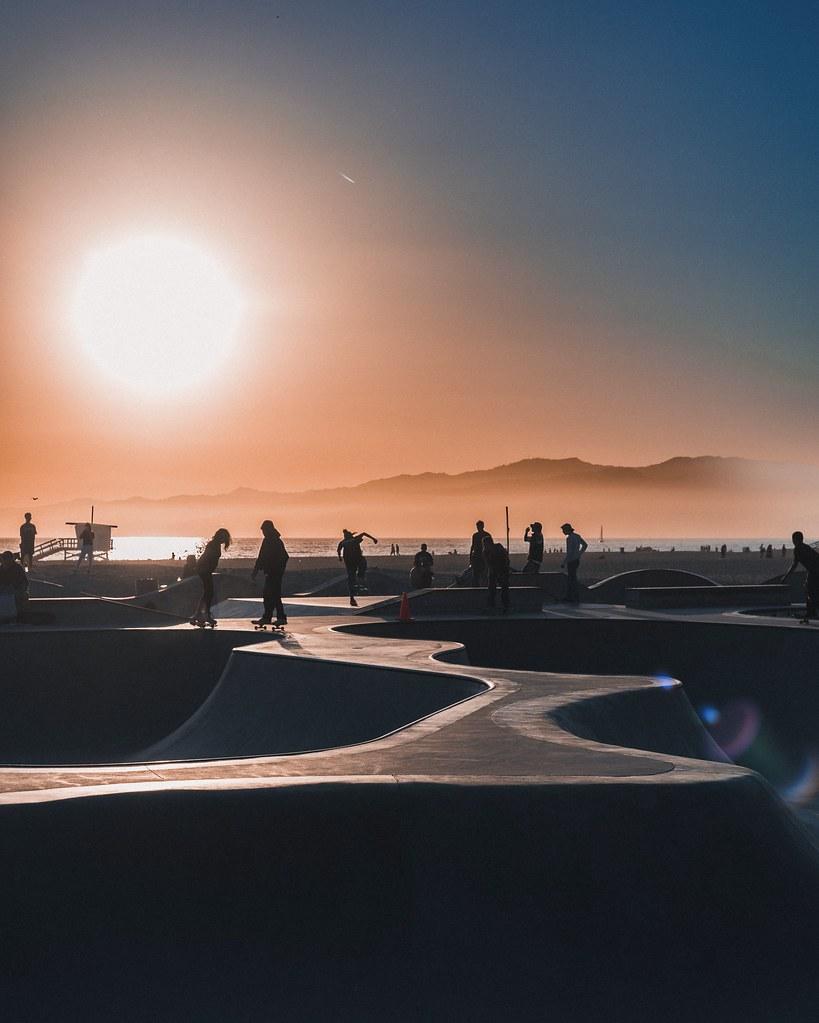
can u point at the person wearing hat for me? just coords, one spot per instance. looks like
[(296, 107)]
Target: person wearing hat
[(534, 537), (575, 548)]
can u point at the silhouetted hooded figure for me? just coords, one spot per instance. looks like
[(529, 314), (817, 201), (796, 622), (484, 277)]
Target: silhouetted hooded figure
[(272, 560), (349, 551), (808, 558)]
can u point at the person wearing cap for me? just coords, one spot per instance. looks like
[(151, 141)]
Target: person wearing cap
[(272, 560), (534, 537), (575, 548)]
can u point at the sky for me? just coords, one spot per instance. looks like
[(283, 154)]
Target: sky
[(442, 236)]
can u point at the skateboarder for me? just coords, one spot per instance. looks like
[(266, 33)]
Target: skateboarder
[(496, 559), (272, 560), (575, 548), (205, 567), (349, 551), (476, 560), (534, 537), (805, 555), (28, 531)]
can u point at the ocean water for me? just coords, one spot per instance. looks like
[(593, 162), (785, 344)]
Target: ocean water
[(160, 548)]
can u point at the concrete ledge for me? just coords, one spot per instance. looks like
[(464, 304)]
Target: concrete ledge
[(660, 597), (460, 599)]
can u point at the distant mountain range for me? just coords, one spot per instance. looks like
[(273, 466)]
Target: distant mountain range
[(703, 496)]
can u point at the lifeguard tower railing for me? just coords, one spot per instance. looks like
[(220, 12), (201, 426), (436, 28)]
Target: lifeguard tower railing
[(67, 545)]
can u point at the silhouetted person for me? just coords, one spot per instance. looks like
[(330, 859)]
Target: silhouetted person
[(496, 559), (189, 568), (476, 558), (28, 532), (535, 541), (575, 548), (769, 551), (397, 549), (349, 551), (392, 550), (272, 560), (723, 551), (205, 567), (808, 558), (86, 545), (14, 581), (421, 575)]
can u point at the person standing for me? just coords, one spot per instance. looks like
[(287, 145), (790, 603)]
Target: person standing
[(205, 567), (476, 555), (28, 531), (349, 551), (86, 539), (272, 560), (808, 557), (496, 559), (535, 541), (575, 548)]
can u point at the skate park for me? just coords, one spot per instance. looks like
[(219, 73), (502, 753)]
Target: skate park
[(459, 815)]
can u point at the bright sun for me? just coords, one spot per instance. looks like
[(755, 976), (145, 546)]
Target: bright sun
[(157, 313)]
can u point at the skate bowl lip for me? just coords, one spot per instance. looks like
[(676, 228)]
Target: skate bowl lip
[(439, 667)]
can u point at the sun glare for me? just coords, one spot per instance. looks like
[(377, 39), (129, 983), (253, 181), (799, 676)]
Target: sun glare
[(159, 314)]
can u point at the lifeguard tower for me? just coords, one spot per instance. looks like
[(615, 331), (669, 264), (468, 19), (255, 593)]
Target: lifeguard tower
[(103, 542)]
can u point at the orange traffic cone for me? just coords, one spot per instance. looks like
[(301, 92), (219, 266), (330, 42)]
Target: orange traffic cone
[(405, 615)]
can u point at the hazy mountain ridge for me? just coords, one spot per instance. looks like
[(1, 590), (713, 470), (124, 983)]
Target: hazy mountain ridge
[(680, 496)]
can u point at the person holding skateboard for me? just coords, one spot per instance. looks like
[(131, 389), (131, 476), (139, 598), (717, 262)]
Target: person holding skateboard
[(349, 551), (272, 560), (205, 567), (805, 555)]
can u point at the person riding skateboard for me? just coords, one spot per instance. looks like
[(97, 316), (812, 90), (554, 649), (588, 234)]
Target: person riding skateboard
[(349, 551), (808, 557), (272, 560), (205, 567)]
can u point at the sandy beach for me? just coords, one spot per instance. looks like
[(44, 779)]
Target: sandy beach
[(119, 578)]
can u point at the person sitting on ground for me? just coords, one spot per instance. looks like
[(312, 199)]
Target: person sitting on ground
[(496, 559), (808, 557), (575, 548), (13, 580), (272, 560), (476, 559), (28, 532), (349, 551), (205, 567), (535, 541), (421, 575)]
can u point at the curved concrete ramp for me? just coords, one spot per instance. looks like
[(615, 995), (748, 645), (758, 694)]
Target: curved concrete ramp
[(613, 589), (269, 703)]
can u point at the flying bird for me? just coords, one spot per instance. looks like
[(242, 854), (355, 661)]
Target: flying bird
[(347, 178)]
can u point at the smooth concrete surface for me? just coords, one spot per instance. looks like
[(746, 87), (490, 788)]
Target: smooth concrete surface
[(665, 597), (545, 848), (461, 599)]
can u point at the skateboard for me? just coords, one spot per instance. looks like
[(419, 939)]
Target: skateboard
[(273, 626), (203, 623)]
